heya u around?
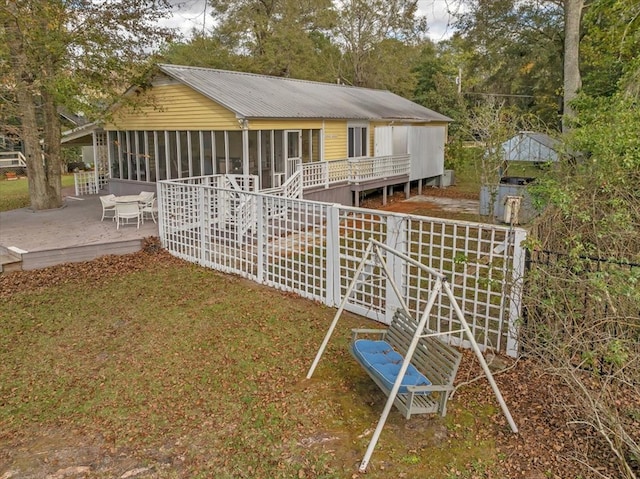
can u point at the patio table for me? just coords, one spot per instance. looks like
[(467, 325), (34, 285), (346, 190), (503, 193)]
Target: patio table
[(128, 199)]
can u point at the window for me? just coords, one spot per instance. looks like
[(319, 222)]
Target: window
[(310, 145), (357, 137), (234, 146), (114, 154), (207, 147), (183, 153), (221, 155), (161, 148), (151, 154), (195, 160), (172, 154), (140, 157), (315, 145), (254, 168)]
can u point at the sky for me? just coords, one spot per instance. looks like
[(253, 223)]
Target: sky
[(189, 14)]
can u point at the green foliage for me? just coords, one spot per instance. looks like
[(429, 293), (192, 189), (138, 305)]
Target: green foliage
[(601, 199), (583, 301), (436, 72), (280, 38), (514, 50), (77, 55), (365, 43), (609, 47)]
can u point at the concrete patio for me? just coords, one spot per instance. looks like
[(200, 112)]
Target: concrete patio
[(37, 239)]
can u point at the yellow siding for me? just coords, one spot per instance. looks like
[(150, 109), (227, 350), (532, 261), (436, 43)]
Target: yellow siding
[(292, 124), (175, 107), (335, 140)]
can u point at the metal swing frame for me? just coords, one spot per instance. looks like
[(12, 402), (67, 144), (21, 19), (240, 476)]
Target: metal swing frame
[(441, 286)]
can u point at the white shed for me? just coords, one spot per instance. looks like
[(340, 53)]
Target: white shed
[(531, 146)]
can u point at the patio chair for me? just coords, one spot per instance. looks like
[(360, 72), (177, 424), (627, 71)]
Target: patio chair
[(126, 212), (108, 206), (146, 196), (149, 208)]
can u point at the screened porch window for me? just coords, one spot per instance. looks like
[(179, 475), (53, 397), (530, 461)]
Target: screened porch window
[(164, 154)]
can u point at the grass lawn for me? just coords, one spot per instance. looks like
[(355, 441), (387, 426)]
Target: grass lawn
[(191, 373), (14, 194)]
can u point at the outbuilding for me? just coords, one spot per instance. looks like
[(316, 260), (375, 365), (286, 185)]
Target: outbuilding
[(531, 146)]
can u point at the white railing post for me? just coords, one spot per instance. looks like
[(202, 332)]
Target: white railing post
[(325, 174), (203, 226), (516, 290), (260, 235), (396, 239), (333, 270)]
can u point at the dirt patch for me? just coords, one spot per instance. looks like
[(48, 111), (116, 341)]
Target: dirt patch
[(59, 453), (448, 203)]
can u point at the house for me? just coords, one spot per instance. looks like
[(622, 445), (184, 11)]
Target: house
[(12, 148), (343, 140)]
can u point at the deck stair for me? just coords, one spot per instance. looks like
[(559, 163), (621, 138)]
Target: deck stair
[(10, 260), (12, 159)]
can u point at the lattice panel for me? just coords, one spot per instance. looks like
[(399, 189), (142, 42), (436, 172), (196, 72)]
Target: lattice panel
[(477, 260), (294, 236), (314, 249), (356, 227)]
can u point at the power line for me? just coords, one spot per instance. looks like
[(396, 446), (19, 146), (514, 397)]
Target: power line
[(508, 95)]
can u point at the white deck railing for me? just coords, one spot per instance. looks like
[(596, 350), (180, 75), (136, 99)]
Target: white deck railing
[(354, 170), (90, 182), (313, 249), (292, 188), (12, 159)]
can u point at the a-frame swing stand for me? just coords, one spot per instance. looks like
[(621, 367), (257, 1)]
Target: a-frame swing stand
[(441, 286)]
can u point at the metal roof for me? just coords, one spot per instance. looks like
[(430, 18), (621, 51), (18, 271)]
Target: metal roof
[(259, 96), (531, 146), (543, 139)]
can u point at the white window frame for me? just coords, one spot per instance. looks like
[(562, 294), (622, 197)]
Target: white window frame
[(359, 130)]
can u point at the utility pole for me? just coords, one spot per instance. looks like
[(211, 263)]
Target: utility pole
[(459, 80), (204, 17)]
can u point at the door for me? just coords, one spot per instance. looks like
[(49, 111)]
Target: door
[(293, 159)]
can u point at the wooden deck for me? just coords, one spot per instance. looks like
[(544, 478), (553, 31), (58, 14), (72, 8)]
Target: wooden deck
[(33, 240)]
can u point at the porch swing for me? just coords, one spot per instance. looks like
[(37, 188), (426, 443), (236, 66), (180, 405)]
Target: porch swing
[(409, 362)]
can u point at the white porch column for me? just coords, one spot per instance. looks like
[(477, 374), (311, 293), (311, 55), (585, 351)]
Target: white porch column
[(245, 149)]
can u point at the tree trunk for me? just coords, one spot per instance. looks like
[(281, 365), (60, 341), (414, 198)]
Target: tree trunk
[(39, 120), (572, 80)]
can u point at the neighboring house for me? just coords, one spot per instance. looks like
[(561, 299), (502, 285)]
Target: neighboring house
[(12, 147), (200, 121), (531, 146)]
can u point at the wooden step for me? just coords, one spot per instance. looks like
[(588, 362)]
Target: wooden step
[(9, 263)]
